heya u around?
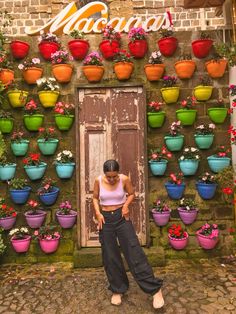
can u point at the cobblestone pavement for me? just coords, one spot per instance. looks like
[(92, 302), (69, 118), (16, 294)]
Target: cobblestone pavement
[(189, 287)]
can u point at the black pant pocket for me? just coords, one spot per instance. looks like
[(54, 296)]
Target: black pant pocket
[(143, 271)]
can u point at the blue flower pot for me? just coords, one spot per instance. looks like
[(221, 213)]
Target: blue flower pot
[(188, 166), (51, 197), (20, 149), (158, 168), (65, 170), (206, 191), (174, 143), (7, 172), (204, 141), (36, 172), (175, 191), (49, 147), (217, 164), (20, 196)]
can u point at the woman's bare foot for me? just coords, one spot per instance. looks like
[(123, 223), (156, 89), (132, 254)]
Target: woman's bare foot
[(116, 299), (158, 300)]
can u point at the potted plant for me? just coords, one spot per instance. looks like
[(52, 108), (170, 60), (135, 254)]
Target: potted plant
[(78, 46), (175, 186), (32, 119), (217, 64), (158, 160), (138, 44), (61, 69), (185, 66), (64, 115), (232, 133), (16, 96), (178, 238), (19, 190), (66, 216), (208, 236), (187, 210), (6, 122), (6, 72), (170, 92), (187, 114), (189, 161), (174, 140), (155, 114), (204, 135), (93, 68), (203, 90), (7, 168), (202, 46), (34, 167), (220, 159), (19, 49), (218, 112), (161, 213), (206, 186), (64, 164), (168, 43), (155, 68), (31, 70), (48, 192), (7, 215), (48, 238), (35, 215), (48, 91), (20, 239), (19, 145), (48, 44), (123, 65), (47, 143), (110, 42)]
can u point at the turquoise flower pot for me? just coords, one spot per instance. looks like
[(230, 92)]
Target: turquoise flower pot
[(174, 143), (158, 168), (217, 164), (49, 147), (65, 170), (36, 172), (21, 148), (204, 141), (188, 166), (7, 172)]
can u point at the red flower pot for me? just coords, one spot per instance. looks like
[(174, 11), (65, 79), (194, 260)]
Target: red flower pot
[(19, 49), (108, 48), (138, 48), (201, 47), (78, 48), (46, 48), (168, 46)]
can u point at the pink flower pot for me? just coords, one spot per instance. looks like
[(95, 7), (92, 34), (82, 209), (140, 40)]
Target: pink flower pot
[(49, 246), (22, 245), (7, 222), (161, 218), (178, 244), (188, 216), (67, 221), (205, 242), (35, 221)]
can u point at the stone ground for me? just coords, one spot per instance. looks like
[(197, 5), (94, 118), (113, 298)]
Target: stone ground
[(205, 286)]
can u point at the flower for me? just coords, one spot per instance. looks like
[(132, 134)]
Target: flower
[(5, 114), (169, 81), (154, 106), (93, 58), (155, 58), (33, 206), (207, 178), (5, 210), (188, 103), (187, 204), (122, 55), (205, 81), (19, 233), (4, 62), (17, 136), (64, 108), (17, 183), (232, 90), (32, 160), (31, 107), (48, 37), (204, 129), (4, 160), (47, 84), (64, 157), (61, 57), (46, 133), (29, 63), (166, 32), (190, 153), (209, 230), (222, 151), (109, 33), (160, 206), (232, 132), (46, 233), (65, 208), (77, 34), (47, 186), (137, 33), (176, 231), (159, 154), (176, 178), (174, 129)]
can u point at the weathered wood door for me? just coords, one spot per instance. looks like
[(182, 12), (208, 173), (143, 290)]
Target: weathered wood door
[(111, 126)]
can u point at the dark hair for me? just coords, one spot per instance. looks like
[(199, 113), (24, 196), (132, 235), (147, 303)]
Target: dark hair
[(111, 165)]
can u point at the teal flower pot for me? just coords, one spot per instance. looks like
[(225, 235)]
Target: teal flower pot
[(48, 147), (65, 170), (158, 168), (156, 119), (6, 125), (217, 164), (203, 141), (35, 172), (188, 166), (7, 172), (20, 148), (174, 143)]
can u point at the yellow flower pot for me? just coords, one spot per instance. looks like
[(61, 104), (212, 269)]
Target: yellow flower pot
[(17, 98), (202, 93), (170, 94), (48, 98)]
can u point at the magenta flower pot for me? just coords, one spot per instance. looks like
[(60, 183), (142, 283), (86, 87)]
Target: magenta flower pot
[(49, 246), (206, 242), (35, 221), (22, 245), (178, 244), (188, 216), (7, 222), (161, 218), (67, 221)]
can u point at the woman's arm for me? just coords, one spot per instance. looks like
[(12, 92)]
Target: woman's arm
[(96, 205), (128, 187)]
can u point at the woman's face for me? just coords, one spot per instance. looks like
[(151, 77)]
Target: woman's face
[(112, 177)]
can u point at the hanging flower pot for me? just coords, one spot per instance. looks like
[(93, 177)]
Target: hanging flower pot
[(203, 141), (6, 125), (203, 93), (7, 171), (175, 191), (154, 72), (217, 114), (217, 164), (35, 219), (62, 72), (156, 119), (161, 218), (170, 94), (33, 122), (174, 143), (6, 76), (49, 245), (35, 172), (178, 244), (64, 122), (49, 198), (17, 98), (178, 238), (78, 48), (47, 147), (216, 68), (48, 98), (185, 68), (20, 148), (20, 196), (187, 216), (31, 75), (46, 48), (206, 191), (189, 166), (186, 116), (138, 48), (207, 242), (201, 47), (66, 221), (64, 170), (158, 168), (21, 245), (19, 49), (168, 46), (8, 222), (93, 73), (108, 48), (123, 70)]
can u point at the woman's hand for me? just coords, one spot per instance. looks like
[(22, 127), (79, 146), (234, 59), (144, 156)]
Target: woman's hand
[(101, 220), (125, 212)]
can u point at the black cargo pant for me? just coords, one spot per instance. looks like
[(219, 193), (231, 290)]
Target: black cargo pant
[(116, 227)]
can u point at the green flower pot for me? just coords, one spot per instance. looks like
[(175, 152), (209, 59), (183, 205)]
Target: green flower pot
[(64, 122), (217, 115), (47, 147), (6, 125), (203, 141), (20, 148), (156, 119), (33, 122), (186, 116), (174, 143), (203, 93)]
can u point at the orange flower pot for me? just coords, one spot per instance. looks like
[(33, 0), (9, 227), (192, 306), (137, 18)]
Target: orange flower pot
[(185, 68), (216, 69), (154, 72), (6, 76), (31, 75), (93, 73), (123, 70), (62, 72)]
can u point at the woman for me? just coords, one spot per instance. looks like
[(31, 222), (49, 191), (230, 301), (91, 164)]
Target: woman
[(113, 193)]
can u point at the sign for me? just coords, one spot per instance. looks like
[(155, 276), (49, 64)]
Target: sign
[(71, 18)]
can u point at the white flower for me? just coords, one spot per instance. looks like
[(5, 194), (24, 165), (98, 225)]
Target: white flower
[(193, 149), (212, 126), (186, 149), (182, 158), (13, 231), (20, 66), (197, 157)]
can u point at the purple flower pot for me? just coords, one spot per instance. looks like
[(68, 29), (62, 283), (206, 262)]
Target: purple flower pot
[(205, 242), (67, 221), (22, 245), (7, 222), (35, 221), (178, 244), (161, 218), (49, 246), (187, 216)]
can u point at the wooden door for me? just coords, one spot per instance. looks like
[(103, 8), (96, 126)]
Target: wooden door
[(111, 126)]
